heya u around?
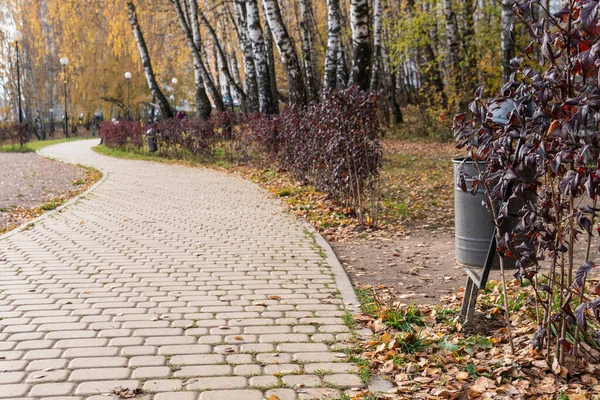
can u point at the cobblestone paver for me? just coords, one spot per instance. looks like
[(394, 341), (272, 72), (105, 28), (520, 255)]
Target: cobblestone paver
[(182, 283)]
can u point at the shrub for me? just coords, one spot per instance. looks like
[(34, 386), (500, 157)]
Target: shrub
[(542, 135), (125, 135), (13, 133), (333, 145), (183, 138)]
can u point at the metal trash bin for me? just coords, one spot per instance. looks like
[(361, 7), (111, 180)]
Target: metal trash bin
[(473, 222), (151, 140)]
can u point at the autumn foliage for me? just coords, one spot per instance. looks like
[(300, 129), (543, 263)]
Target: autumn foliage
[(333, 145), (541, 136)]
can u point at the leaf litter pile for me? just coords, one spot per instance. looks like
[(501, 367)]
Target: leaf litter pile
[(426, 353)]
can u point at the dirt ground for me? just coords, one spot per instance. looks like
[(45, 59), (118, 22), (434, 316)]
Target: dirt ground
[(419, 265), (28, 180)]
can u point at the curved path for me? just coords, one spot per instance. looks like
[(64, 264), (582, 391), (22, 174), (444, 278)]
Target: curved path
[(184, 283)]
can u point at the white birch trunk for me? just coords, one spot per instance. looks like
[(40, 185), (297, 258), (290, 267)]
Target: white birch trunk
[(263, 79), (165, 107), (334, 24), (250, 84), (361, 48), (377, 17), (308, 49), (507, 43), (289, 58)]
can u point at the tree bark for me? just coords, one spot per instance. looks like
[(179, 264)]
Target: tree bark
[(271, 66), (342, 74), (203, 106), (451, 35), (213, 90), (507, 44), (165, 108), (361, 48), (308, 50), (263, 76), (289, 58), (377, 43), (469, 71), (223, 57), (334, 24), (250, 84)]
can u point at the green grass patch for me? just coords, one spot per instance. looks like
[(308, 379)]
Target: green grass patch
[(366, 300), (33, 146), (403, 320)]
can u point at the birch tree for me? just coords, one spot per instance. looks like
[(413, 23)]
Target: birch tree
[(308, 51), (289, 58), (377, 51), (165, 107), (222, 57), (263, 76), (361, 47), (507, 44), (333, 45), (187, 15), (250, 82)]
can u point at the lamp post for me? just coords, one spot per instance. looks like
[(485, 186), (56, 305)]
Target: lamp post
[(174, 82), (51, 121), (128, 79), (16, 37), (64, 61)]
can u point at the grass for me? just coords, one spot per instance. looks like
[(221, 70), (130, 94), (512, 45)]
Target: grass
[(33, 146), (403, 320), (366, 300)]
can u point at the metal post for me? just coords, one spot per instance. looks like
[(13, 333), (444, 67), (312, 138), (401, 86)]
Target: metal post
[(128, 104), (19, 94), (19, 84), (66, 106)]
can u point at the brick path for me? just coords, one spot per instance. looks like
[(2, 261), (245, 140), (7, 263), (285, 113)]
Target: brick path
[(185, 283)]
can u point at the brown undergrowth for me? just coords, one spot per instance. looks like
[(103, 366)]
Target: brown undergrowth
[(427, 354)]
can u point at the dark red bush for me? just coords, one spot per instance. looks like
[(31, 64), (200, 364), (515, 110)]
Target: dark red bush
[(125, 135), (333, 145)]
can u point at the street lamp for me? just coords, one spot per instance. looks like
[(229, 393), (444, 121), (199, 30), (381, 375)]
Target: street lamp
[(17, 36), (174, 82), (128, 78), (52, 121), (64, 61)]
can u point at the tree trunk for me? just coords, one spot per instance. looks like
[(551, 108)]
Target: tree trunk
[(342, 75), (209, 83), (451, 35), (361, 48), (271, 66), (507, 45), (469, 71), (377, 43), (289, 58), (163, 104), (203, 106), (334, 25), (308, 50), (250, 84), (223, 58), (263, 77)]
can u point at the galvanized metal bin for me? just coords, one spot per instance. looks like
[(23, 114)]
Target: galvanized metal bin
[(473, 221)]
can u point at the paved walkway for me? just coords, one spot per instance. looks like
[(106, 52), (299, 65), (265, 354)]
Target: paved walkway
[(184, 283)]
